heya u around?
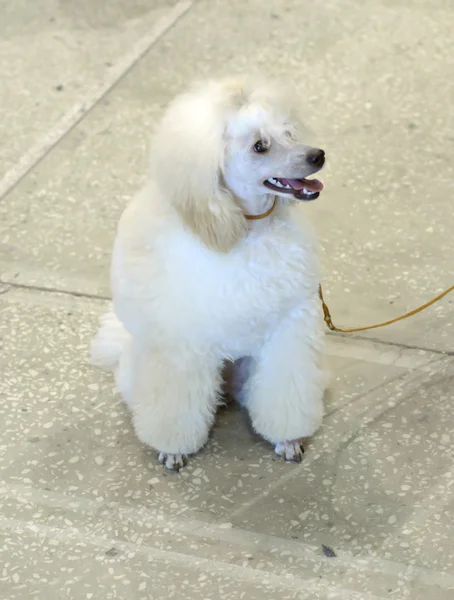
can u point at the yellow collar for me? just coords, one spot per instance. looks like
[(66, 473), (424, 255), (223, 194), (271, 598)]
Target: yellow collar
[(263, 215)]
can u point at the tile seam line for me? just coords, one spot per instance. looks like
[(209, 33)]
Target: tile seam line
[(252, 575), (82, 107), (364, 338), (75, 294), (51, 290), (213, 532)]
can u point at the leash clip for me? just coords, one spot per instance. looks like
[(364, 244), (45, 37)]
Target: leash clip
[(329, 322)]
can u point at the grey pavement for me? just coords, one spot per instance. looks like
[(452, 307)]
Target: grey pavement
[(85, 510)]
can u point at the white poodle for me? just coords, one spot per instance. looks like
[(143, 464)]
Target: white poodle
[(199, 283)]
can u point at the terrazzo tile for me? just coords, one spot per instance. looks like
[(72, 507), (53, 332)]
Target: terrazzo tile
[(368, 511), (55, 58)]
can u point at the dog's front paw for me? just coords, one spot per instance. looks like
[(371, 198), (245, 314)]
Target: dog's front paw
[(292, 451), (174, 462)]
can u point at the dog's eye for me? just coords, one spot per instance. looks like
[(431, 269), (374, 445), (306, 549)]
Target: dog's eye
[(261, 147)]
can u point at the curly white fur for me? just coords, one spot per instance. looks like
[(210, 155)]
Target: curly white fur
[(195, 284)]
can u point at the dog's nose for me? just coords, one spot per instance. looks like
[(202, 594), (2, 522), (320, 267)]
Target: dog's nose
[(316, 157)]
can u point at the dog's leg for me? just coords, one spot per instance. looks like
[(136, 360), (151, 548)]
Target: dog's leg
[(174, 398), (285, 390)]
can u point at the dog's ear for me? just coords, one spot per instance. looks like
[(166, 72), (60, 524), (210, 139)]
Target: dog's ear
[(187, 160), (213, 216)]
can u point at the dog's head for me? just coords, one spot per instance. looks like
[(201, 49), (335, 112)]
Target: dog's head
[(226, 142)]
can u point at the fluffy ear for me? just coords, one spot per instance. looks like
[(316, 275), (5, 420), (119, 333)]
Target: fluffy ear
[(187, 162), (214, 218)]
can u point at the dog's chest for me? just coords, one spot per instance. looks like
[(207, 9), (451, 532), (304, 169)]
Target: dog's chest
[(177, 288), (236, 298)]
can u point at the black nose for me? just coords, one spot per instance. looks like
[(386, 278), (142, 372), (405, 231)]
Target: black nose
[(316, 157)]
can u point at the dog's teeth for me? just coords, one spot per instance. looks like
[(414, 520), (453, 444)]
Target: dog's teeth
[(287, 186), (306, 191), (278, 183), (272, 180)]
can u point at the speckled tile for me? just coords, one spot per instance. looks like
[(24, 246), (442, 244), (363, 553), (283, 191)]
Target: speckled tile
[(366, 515), (90, 567), (381, 110), (370, 484), (56, 59)]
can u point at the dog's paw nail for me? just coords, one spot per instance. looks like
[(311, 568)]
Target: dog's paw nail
[(173, 462), (290, 451)]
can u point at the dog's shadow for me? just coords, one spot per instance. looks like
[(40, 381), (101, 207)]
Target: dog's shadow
[(233, 419)]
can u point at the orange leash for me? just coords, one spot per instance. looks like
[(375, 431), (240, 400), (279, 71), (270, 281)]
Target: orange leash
[(326, 312), (330, 324)]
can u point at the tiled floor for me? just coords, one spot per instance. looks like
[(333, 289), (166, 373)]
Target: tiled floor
[(85, 510)]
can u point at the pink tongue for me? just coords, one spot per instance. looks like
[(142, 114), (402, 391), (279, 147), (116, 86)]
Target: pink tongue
[(312, 185)]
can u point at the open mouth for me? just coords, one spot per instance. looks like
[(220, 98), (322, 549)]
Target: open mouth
[(301, 189)]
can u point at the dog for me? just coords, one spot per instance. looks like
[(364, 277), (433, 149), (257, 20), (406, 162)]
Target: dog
[(210, 269)]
